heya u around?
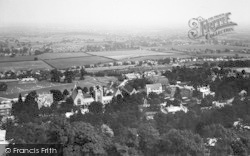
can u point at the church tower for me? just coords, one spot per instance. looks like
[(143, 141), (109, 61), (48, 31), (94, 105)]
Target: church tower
[(98, 94)]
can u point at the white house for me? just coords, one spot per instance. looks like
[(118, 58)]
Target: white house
[(5, 109), (156, 88), (131, 76), (205, 91), (3, 142), (28, 80), (174, 109), (83, 111)]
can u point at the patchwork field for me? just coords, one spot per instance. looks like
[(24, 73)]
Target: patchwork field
[(17, 58), (156, 57), (48, 56), (118, 55), (14, 88), (4, 66), (69, 62)]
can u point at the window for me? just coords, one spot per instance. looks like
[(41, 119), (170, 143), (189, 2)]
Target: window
[(79, 102)]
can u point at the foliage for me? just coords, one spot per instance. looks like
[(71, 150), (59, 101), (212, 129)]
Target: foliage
[(3, 86)]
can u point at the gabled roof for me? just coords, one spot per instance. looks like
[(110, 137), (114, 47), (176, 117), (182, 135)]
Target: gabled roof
[(128, 88), (118, 92), (74, 94)]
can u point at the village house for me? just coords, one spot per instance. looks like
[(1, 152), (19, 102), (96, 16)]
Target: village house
[(111, 64), (128, 89), (156, 88), (149, 73), (5, 109), (205, 90), (119, 63), (137, 62), (28, 80), (174, 109), (131, 76)]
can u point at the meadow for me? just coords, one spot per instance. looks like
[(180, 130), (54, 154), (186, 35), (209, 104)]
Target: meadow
[(24, 65), (80, 61), (16, 58), (118, 55), (48, 56)]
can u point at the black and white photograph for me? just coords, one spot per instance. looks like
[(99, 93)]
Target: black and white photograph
[(124, 78)]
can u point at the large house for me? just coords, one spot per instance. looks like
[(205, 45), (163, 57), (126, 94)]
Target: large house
[(155, 88), (5, 109)]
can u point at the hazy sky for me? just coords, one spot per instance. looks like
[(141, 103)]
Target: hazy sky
[(118, 13)]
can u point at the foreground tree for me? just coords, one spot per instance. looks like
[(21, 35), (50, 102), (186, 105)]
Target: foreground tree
[(177, 142), (96, 107)]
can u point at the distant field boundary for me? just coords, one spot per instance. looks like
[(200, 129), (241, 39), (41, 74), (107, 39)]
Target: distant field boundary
[(48, 64), (61, 58), (102, 57), (89, 55)]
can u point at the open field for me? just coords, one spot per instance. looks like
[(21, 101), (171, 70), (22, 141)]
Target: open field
[(69, 62), (14, 88), (48, 56), (16, 58), (156, 57), (118, 55), (4, 66), (96, 69)]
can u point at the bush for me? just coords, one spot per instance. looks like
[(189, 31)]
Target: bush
[(3, 86)]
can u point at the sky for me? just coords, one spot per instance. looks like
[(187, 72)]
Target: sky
[(118, 13)]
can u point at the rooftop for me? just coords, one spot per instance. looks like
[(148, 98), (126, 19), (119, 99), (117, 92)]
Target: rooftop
[(155, 86)]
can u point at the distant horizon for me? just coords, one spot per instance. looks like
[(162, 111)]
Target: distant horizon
[(117, 14)]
